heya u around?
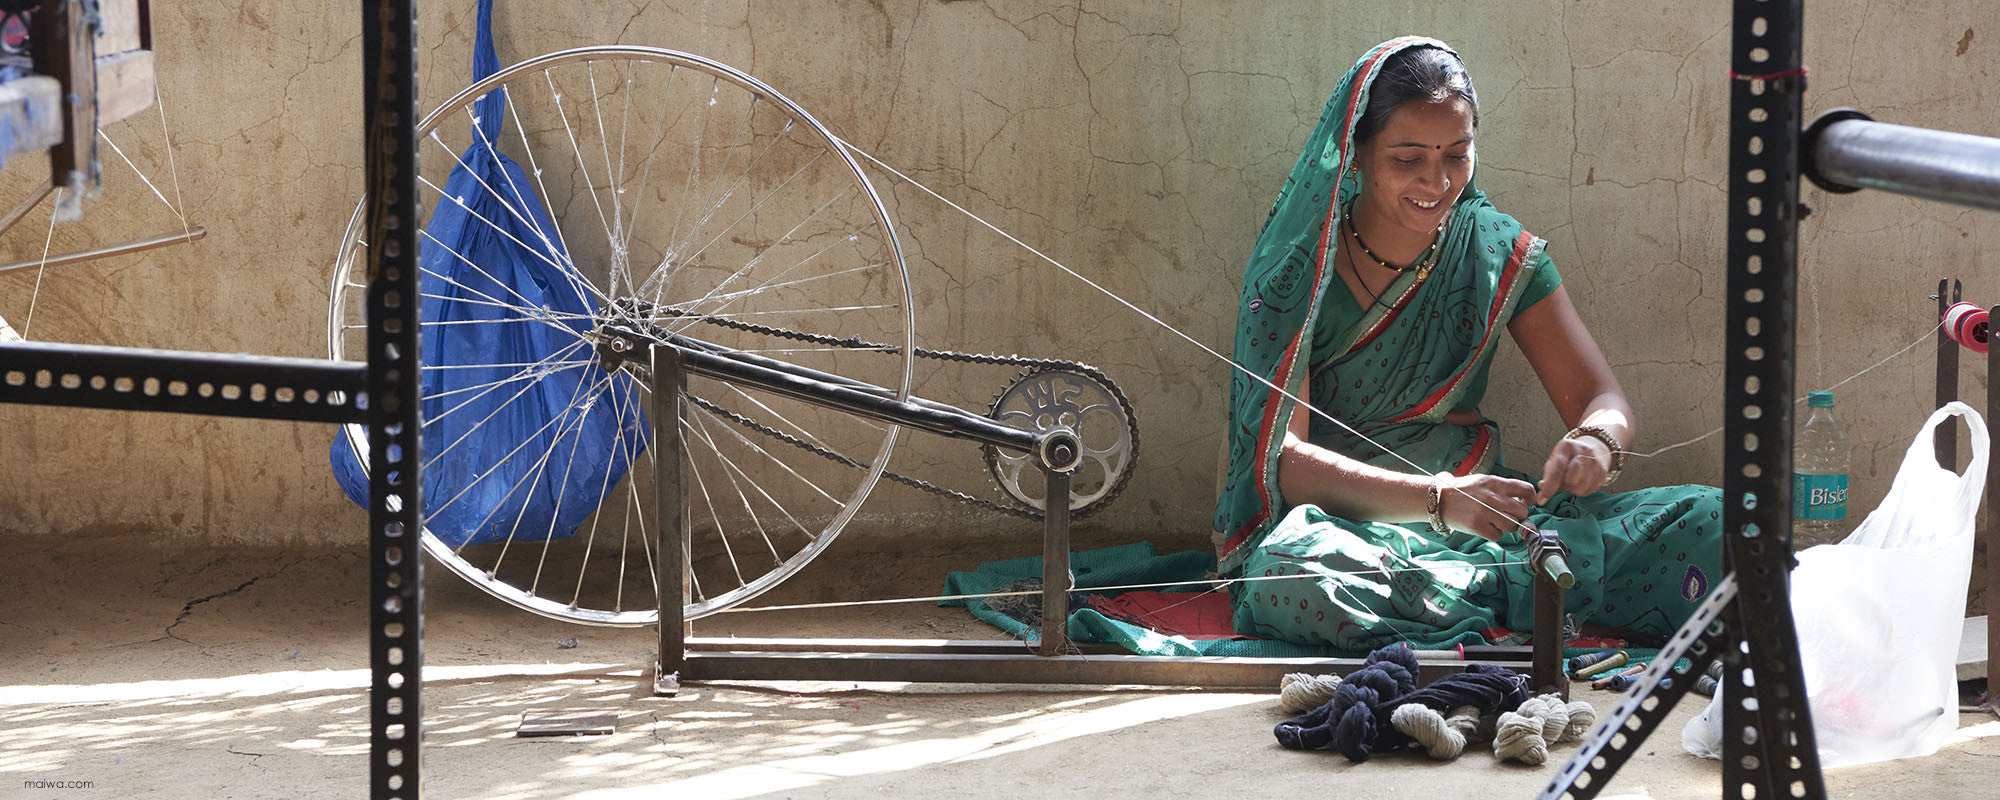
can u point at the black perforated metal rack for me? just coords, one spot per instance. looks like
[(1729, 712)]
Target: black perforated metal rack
[(1768, 747), (382, 393)]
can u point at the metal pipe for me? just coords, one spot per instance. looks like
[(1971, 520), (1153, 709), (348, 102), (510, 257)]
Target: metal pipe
[(1028, 668), (670, 517), (825, 389), (1056, 575), (1545, 672), (787, 366), (1511, 656), (137, 246), (935, 418), (1992, 541), (1844, 151), (1945, 439)]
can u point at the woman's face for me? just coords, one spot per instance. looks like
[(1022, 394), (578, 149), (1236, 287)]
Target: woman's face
[(1417, 164)]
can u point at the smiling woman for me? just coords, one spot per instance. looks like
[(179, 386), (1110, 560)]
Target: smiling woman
[(1387, 486)]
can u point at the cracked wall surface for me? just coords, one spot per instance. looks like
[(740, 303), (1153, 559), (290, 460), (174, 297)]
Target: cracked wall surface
[(1139, 143)]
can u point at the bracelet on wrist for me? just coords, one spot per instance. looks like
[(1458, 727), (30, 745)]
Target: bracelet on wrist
[(1434, 502), (1610, 441)]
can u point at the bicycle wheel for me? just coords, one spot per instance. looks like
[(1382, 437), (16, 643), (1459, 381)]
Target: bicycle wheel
[(650, 190)]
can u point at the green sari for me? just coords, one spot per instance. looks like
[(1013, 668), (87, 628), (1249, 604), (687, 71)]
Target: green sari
[(1392, 372)]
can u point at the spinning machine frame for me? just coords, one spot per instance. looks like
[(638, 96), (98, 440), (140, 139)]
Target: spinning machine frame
[(65, 45), (1746, 623), (1055, 452)]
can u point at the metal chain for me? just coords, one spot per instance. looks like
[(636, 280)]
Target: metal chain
[(857, 343), (918, 483)]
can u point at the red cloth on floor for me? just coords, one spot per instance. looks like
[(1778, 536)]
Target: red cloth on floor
[(1195, 615)]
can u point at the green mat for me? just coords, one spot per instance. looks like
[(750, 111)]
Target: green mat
[(1123, 565), (1127, 565)]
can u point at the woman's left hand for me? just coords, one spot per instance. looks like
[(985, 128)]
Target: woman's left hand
[(1577, 465)]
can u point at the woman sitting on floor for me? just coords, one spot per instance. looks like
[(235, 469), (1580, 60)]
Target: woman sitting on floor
[(1377, 291)]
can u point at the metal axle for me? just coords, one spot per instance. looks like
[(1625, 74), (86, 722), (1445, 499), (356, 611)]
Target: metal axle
[(1845, 151)]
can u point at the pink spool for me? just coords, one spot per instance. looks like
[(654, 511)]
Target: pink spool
[(1965, 323)]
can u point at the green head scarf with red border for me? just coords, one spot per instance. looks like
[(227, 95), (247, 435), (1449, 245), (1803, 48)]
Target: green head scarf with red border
[(1288, 275)]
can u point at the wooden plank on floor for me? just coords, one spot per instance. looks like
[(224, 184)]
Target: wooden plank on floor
[(567, 722)]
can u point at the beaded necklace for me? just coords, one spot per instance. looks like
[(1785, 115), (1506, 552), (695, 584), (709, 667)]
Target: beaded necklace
[(1424, 263)]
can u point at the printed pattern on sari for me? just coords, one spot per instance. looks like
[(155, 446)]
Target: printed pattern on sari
[(1280, 300), (1526, 246), (1389, 374)]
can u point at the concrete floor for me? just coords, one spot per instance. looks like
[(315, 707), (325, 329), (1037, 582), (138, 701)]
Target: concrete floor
[(243, 675)]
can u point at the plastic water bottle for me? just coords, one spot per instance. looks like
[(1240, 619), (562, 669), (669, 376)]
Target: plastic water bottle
[(1819, 476)]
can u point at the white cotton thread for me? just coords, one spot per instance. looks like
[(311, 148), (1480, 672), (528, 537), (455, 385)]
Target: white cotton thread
[(1259, 378), (1519, 734), (1302, 403), (148, 181), (35, 296), (1526, 734), (173, 171), (1299, 692), (1802, 398), (1216, 582), (1582, 717), (1440, 739), (1467, 721)]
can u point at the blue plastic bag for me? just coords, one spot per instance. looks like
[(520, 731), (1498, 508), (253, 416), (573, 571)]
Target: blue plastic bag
[(512, 452)]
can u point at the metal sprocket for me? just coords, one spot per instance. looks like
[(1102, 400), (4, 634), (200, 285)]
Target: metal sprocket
[(1084, 401)]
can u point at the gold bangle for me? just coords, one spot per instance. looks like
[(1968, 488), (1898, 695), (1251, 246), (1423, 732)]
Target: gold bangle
[(1602, 435), (1434, 502)]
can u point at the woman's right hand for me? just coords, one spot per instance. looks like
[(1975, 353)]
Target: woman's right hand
[(1501, 504)]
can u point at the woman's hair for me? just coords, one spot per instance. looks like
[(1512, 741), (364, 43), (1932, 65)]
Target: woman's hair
[(1430, 74)]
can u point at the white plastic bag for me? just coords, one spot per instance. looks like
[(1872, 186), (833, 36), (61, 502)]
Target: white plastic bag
[(1879, 615)]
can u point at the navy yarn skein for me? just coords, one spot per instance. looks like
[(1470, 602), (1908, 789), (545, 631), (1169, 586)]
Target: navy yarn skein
[(1356, 721), (1490, 688), (1350, 716)]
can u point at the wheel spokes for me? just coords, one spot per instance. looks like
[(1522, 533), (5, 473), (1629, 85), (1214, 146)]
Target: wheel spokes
[(540, 441)]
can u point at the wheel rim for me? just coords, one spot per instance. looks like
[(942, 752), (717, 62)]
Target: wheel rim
[(683, 193)]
